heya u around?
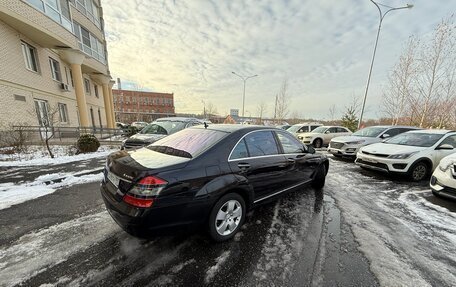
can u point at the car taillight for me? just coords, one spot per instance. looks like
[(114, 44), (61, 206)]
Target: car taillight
[(138, 202), (148, 186)]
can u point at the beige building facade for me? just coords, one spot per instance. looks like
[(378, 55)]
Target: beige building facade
[(53, 64)]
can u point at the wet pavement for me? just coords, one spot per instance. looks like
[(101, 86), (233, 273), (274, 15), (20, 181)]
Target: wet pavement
[(363, 229)]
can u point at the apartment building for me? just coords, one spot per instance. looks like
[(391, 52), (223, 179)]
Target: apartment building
[(53, 64), (133, 106)]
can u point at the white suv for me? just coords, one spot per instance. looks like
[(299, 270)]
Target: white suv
[(443, 180), (414, 153), (348, 146), (323, 135), (298, 129)]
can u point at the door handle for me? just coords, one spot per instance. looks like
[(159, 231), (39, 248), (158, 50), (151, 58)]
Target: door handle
[(290, 160), (242, 165)]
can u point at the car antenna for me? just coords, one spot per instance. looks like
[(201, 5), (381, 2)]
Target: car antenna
[(205, 125)]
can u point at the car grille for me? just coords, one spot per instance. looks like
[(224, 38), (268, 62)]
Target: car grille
[(375, 154), (336, 145), (376, 164)]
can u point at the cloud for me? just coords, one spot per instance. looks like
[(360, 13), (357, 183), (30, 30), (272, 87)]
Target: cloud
[(323, 48)]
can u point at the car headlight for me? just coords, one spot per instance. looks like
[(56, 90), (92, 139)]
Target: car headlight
[(445, 164), (356, 142), (402, 155)]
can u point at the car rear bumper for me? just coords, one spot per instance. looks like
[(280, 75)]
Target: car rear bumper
[(155, 220)]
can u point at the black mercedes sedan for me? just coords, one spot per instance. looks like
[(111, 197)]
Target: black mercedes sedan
[(206, 176)]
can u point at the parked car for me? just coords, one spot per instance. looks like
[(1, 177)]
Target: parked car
[(283, 127), (206, 176), (298, 129), (323, 135), (443, 180), (348, 146), (159, 129), (139, 125), (121, 125), (414, 153)]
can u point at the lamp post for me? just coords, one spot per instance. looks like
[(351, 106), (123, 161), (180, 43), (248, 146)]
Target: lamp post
[(382, 16), (244, 79)]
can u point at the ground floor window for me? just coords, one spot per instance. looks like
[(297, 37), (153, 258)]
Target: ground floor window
[(63, 113), (42, 112)]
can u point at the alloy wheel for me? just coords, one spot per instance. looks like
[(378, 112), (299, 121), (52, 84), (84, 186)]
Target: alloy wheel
[(419, 172), (228, 217)]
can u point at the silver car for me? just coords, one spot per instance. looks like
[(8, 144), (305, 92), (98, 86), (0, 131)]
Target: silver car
[(159, 129), (348, 146)]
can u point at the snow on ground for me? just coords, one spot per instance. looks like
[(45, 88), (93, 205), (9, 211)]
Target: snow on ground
[(212, 271), (12, 194), (37, 251), (37, 155), (408, 240)]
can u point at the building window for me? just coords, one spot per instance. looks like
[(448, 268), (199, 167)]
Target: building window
[(55, 69), (63, 113), (95, 88), (30, 57), (87, 86), (41, 109), (88, 43), (57, 10), (90, 10), (99, 118), (71, 78)]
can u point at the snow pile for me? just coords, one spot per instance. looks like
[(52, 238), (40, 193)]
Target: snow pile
[(12, 194), (37, 155)]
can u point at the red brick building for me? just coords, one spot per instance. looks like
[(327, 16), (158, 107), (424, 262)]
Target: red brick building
[(131, 106)]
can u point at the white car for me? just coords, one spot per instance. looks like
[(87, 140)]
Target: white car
[(414, 153), (348, 146), (323, 135), (443, 180), (298, 129)]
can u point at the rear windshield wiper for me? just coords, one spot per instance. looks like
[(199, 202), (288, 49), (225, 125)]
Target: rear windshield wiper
[(170, 151)]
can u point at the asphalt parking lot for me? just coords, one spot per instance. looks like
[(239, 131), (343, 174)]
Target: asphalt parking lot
[(363, 229)]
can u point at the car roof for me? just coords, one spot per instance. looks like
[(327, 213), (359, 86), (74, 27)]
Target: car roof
[(229, 128), (433, 131), (392, 126), (179, 119), (306, 124)]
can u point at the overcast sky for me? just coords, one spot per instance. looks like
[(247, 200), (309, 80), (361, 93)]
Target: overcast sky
[(322, 47)]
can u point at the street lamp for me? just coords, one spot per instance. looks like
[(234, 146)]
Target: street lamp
[(243, 95), (382, 16)]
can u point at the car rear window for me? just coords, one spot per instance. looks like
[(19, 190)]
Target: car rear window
[(188, 143)]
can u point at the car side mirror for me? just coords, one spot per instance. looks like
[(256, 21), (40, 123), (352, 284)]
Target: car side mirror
[(327, 132), (445, 147), (385, 136), (310, 149)]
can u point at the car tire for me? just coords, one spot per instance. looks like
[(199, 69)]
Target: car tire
[(317, 143), (418, 171), (319, 178), (227, 217)]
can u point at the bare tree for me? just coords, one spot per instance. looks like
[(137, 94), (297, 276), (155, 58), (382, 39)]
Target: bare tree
[(211, 110), (295, 118), (261, 109), (422, 86), (48, 121), (396, 97), (332, 113), (282, 102)]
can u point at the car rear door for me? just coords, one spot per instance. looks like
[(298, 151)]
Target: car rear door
[(257, 158), (301, 164)]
